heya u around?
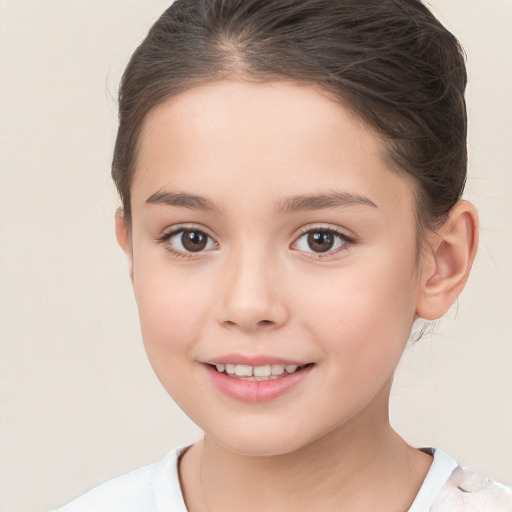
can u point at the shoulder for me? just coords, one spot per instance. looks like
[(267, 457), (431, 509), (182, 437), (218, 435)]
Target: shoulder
[(468, 491), (147, 488), (449, 487), (129, 492)]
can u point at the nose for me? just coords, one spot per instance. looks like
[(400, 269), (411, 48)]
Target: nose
[(252, 297)]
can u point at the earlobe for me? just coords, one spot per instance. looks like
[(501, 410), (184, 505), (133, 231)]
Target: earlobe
[(124, 238), (448, 263)]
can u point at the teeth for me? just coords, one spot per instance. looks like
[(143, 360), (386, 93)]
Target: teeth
[(243, 371), (277, 369), (257, 372), (262, 371)]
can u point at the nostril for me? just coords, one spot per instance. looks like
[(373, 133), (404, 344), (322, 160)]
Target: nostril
[(261, 324)]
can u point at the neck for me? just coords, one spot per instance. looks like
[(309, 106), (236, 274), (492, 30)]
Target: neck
[(361, 467)]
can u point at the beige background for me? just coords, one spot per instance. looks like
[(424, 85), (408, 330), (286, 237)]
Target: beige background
[(79, 401)]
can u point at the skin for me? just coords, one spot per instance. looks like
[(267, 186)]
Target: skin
[(258, 288)]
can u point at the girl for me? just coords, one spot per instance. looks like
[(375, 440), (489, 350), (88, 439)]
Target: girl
[(291, 173)]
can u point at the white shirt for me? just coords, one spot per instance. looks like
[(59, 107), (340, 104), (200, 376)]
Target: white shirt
[(448, 487)]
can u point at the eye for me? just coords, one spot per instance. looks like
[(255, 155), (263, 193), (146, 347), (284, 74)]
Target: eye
[(321, 241), (189, 241)]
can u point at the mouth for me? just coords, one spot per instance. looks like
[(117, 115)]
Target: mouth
[(261, 373), (254, 379)]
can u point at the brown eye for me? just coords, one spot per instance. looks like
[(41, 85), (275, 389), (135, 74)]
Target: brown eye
[(194, 241), (321, 241), (190, 240)]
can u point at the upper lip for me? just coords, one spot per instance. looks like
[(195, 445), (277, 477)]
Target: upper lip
[(256, 360)]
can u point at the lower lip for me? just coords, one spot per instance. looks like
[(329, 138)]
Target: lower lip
[(256, 391)]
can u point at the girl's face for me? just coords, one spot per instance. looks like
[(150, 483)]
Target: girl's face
[(269, 231)]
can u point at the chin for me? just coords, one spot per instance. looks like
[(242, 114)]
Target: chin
[(260, 448), (260, 442)]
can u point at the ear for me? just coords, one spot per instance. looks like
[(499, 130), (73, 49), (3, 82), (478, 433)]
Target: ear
[(447, 262), (123, 236)]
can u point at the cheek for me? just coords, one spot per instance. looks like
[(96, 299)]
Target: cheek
[(363, 316), (172, 310)]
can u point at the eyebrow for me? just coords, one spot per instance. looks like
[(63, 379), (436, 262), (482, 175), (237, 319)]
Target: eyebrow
[(321, 201), (287, 205), (182, 200)]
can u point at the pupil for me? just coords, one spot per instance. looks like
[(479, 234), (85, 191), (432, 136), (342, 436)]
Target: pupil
[(320, 241), (193, 241)]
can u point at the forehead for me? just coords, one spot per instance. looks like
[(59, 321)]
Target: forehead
[(235, 137)]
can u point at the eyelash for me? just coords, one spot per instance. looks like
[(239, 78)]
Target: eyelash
[(184, 255), (339, 235)]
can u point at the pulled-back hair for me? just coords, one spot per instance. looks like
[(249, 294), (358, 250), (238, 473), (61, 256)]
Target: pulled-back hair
[(391, 62)]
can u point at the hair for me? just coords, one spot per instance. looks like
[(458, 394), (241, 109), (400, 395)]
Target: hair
[(391, 62)]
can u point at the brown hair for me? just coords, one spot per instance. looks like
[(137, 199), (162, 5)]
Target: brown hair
[(390, 61)]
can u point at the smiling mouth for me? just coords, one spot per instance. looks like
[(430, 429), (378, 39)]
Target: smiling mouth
[(258, 373)]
